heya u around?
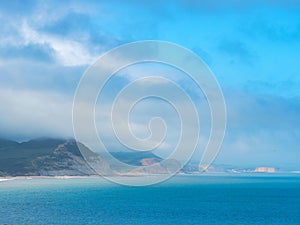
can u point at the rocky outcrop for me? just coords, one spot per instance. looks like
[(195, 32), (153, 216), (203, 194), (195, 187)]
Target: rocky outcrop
[(265, 170), (65, 159), (150, 166)]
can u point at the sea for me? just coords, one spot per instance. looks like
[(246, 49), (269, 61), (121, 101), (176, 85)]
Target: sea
[(184, 199)]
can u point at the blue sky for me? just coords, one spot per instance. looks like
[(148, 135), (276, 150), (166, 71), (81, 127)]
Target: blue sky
[(253, 48)]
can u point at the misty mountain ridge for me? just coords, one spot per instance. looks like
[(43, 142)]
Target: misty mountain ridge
[(59, 157), (62, 157)]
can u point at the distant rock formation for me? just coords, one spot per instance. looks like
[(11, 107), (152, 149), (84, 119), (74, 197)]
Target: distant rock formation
[(151, 166), (265, 170)]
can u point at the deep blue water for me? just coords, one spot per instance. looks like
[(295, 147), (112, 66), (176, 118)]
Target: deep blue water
[(181, 200)]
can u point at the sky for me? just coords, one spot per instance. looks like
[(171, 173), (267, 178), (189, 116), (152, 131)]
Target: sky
[(252, 47)]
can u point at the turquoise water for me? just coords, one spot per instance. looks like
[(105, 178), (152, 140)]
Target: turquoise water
[(181, 200)]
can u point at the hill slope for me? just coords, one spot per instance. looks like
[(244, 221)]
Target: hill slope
[(58, 157), (42, 157)]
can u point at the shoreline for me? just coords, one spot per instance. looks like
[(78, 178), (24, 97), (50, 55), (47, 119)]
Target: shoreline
[(46, 177), (216, 174)]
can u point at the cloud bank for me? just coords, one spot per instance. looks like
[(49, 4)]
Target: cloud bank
[(252, 47)]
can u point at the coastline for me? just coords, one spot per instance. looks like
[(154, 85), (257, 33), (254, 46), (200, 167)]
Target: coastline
[(45, 177), (216, 174)]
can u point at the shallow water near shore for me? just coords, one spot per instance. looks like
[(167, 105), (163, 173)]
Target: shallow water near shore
[(181, 200)]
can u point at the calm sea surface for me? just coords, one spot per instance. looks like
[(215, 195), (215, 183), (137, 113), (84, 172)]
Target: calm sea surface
[(183, 200)]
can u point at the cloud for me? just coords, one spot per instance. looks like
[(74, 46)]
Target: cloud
[(68, 24), (262, 130), (33, 52), (41, 33), (248, 112), (237, 51), (26, 114), (20, 74), (67, 52)]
